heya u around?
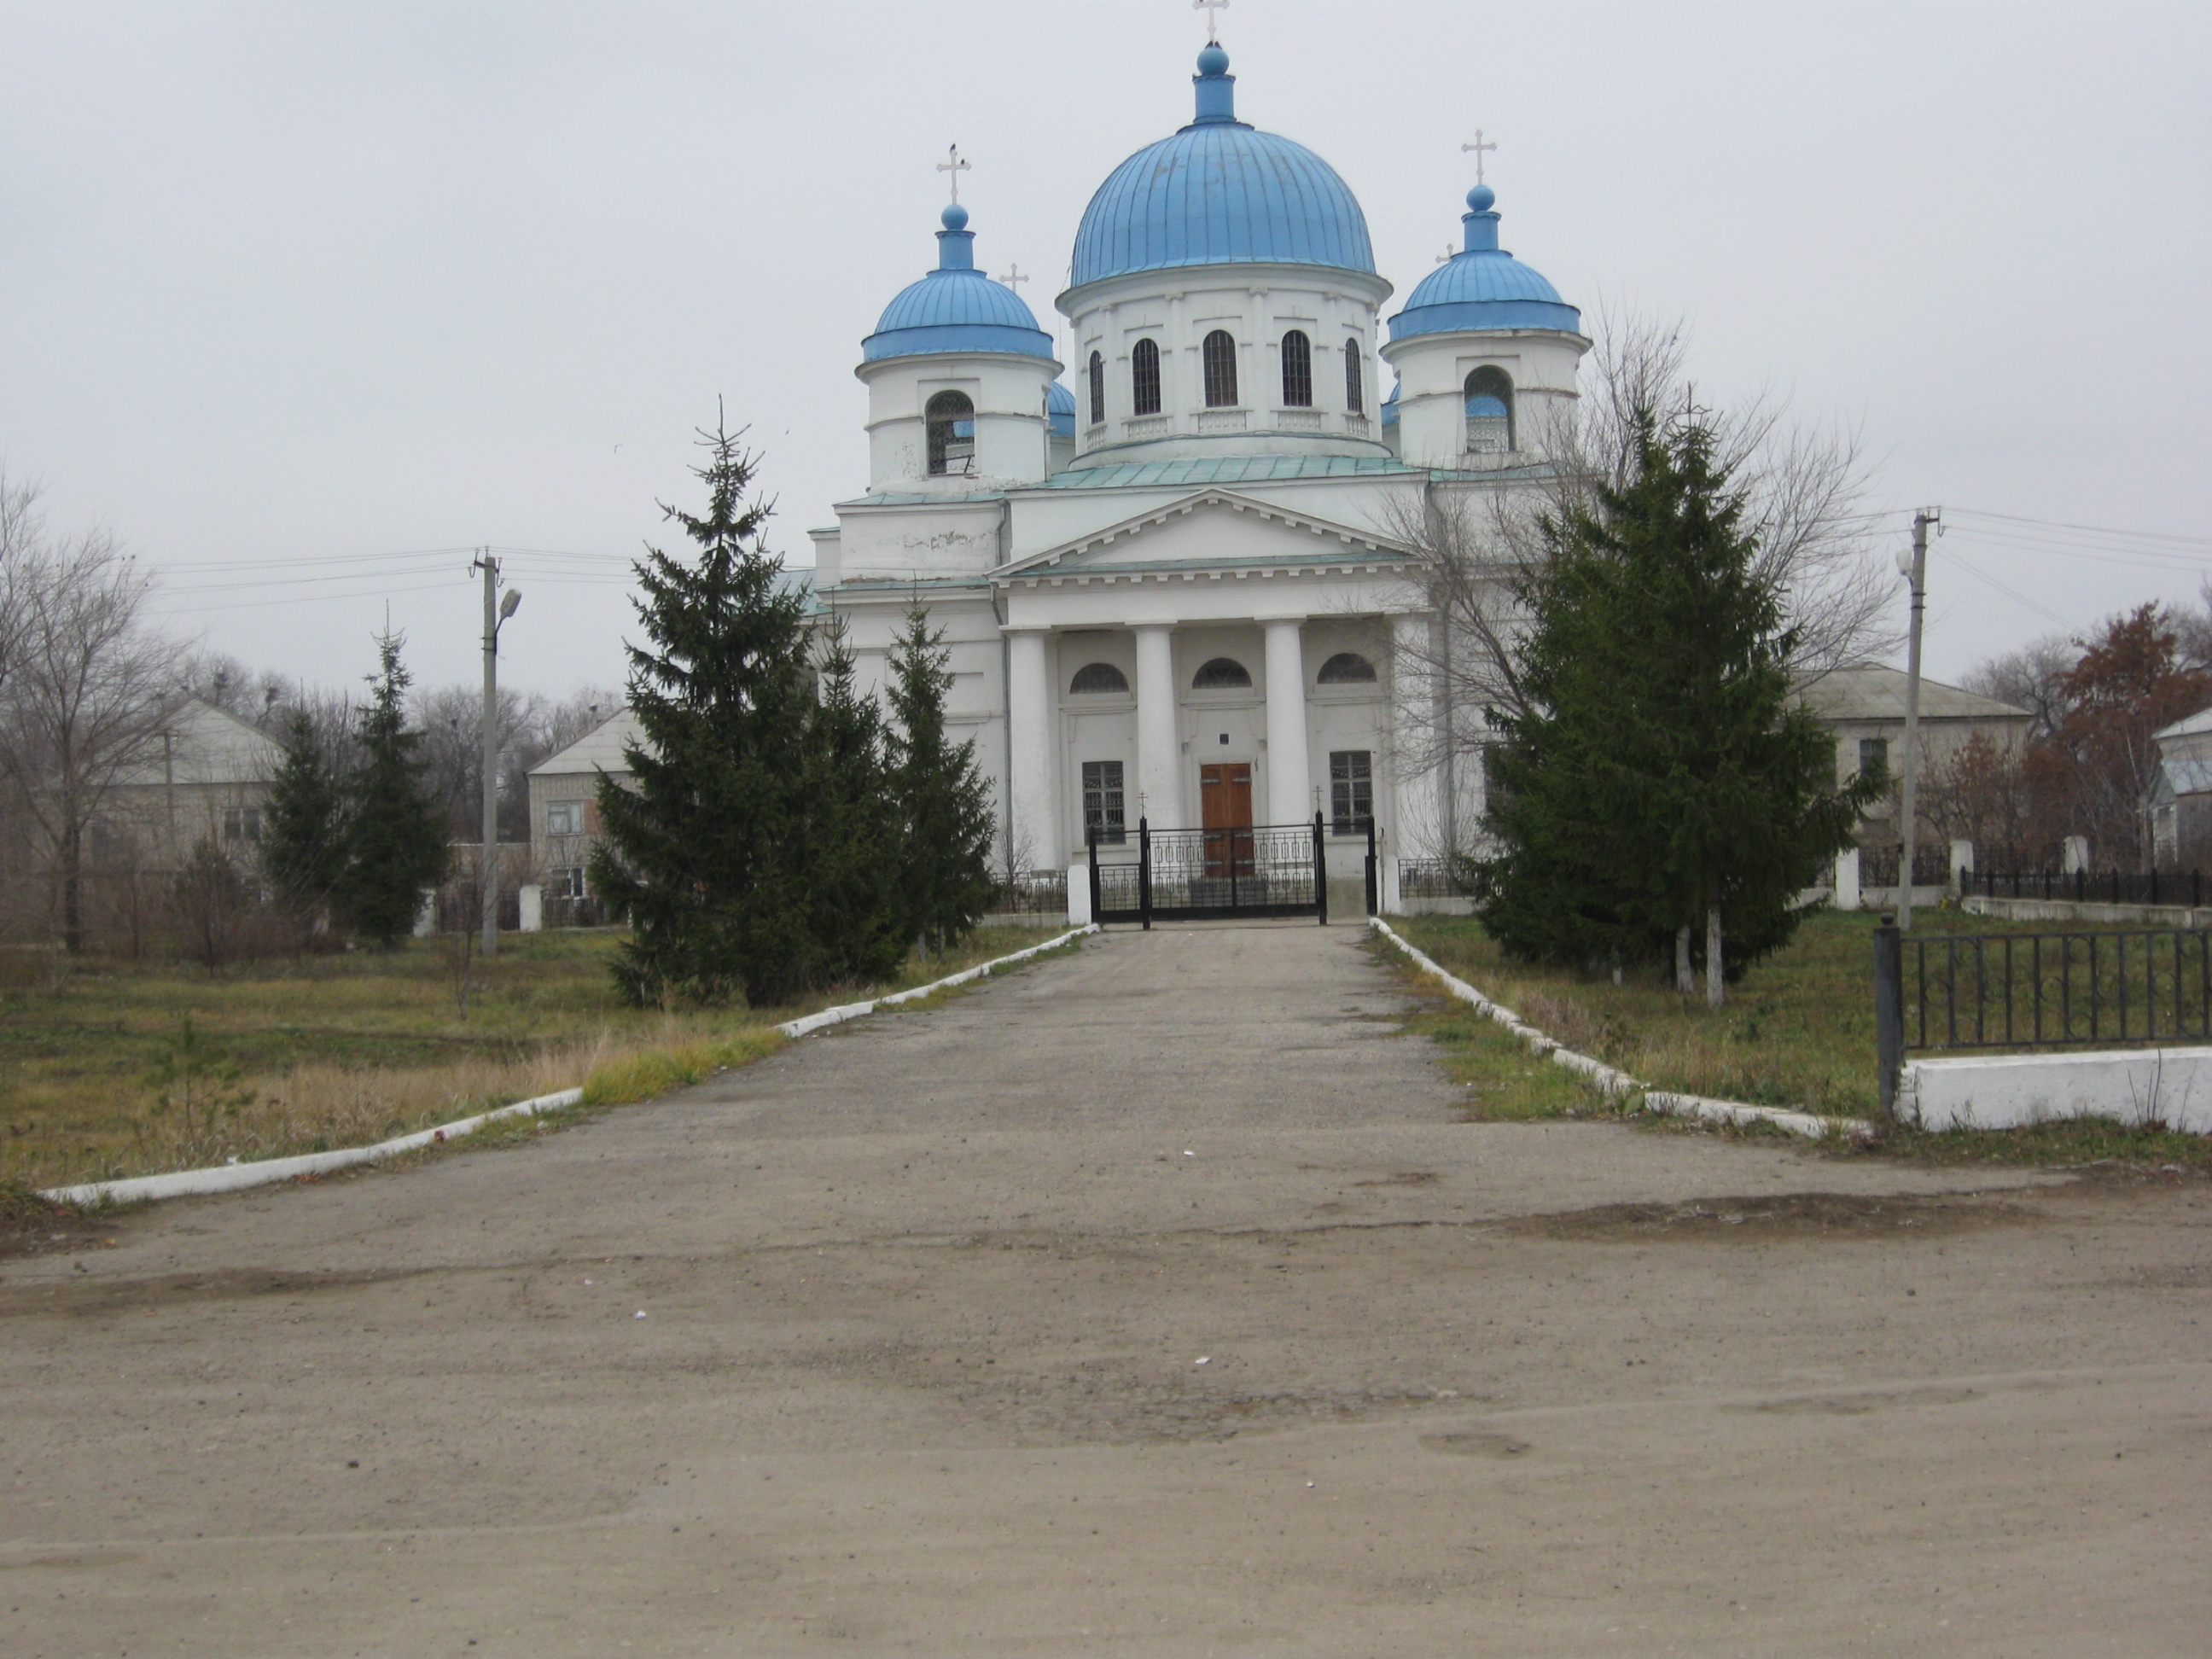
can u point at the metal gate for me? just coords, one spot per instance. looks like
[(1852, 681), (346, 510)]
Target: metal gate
[(1198, 875)]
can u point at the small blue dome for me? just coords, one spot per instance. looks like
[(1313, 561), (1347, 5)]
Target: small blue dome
[(956, 308), (1059, 410), (1220, 192), (1483, 288)]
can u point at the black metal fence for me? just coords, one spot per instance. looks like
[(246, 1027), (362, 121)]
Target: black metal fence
[(1931, 866), (1427, 878), (1036, 892), (2176, 887), (1265, 870), (1947, 991)]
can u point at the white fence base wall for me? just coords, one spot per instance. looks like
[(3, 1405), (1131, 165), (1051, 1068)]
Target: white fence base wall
[(2173, 1086), (2038, 910)]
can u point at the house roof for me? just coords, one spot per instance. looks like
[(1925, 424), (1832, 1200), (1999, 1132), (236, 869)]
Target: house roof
[(600, 750), (2199, 721), (1875, 691), (206, 746)]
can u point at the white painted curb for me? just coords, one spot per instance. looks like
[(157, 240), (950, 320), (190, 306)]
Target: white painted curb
[(230, 1177), (1617, 1084)]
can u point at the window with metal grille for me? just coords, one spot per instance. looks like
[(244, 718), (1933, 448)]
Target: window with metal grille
[(1489, 409), (1145, 378), (1221, 674), (1350, 790), (1098, 676), (1220, 355), (1355, 389), (951, 421), (1345, 668), (1297, 371), (1102, 800), (1097, 388)]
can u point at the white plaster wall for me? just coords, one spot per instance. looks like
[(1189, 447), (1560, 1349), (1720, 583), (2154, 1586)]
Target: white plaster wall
[(929, 541), (1013, 440), (1256, 304), (2173, 1086), (1432, 371)]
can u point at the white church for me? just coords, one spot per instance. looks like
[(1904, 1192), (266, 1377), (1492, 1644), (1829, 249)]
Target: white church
[(1161, 569)]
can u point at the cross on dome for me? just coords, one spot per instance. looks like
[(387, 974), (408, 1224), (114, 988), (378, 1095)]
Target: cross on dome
[(1015, 276), (1214, 9), (955, 167), (1478, 147), (1450, 254)]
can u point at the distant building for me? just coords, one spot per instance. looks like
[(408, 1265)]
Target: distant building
[(205, 776), (564, 811), (1864, 704), (2180, 803)]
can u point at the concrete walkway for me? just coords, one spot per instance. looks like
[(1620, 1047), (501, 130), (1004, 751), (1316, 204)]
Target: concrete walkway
[(1155, 1301)]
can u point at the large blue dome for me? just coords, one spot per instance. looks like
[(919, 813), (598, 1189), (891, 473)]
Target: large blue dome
[(1483, 286), (955, 307), (1220, 192)]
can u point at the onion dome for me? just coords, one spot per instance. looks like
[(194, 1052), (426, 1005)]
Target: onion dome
[(955, 307), (1483, 286), (1220, 192), (1059, 410)]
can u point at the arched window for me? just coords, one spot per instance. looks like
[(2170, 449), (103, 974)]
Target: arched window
[(1099, 677), (1145, 378), (1489, 409), (1346, 668), (1220, 355), (1297, 371), (1355, 393), (951, 421), (1097, 389), (1221, 674)]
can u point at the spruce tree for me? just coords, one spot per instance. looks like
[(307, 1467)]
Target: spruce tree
[(303, 845), (707, 852), (857, 917), (1663, 786), (944, 802), (395, 840)]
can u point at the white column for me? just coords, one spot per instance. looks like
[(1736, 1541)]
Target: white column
[(1159, 742), (1289, 798), (1847, 879), (1033, 789), (1419, 818)]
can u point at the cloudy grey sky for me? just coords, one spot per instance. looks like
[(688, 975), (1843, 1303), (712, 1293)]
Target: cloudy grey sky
[(329, 283)]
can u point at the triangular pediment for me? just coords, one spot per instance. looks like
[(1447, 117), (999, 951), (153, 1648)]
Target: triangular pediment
[(1216, 529)]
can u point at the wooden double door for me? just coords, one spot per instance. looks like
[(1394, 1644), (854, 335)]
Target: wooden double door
[(1224, 793)]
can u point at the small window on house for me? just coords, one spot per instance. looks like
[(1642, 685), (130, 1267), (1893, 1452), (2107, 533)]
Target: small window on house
[(1489, 411), (1350, 790), (1222, 674), (1145, 378), (565, 818), (1346, 668), (1220, 355), (568, 883), (1097, 389), (241, 824), (1098, 676), (1102, 801), (1355, 389), (1297, 371), (1874, 754), (951, 422)]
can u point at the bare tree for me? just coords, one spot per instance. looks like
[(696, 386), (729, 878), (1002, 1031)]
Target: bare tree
[(2033, 677), (87, 684), (1476, 537)]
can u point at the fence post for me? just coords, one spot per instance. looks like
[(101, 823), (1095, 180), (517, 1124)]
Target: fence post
[(1889, 1010), (1091, 846), (1321, 871), (1144, 871), (1374, 873)]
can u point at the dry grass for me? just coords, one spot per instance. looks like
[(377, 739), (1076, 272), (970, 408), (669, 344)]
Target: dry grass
[(323, 1052)]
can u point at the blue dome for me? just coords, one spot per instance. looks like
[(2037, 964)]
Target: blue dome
[(1220, 192), (956, 308), (1483, 288), (1059, 410)]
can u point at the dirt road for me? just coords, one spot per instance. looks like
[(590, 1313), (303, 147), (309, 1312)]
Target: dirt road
[(1153, 1301)]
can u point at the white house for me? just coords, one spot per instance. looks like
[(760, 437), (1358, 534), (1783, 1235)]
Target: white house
[(1165, 581)]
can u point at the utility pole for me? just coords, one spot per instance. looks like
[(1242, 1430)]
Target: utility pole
[(1915, 567), (496, 611)]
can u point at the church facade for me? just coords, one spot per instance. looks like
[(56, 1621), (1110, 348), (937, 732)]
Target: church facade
[(1165, 570)]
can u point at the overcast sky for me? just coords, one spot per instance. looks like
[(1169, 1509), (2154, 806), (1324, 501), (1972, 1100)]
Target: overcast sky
[(324, 282)]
